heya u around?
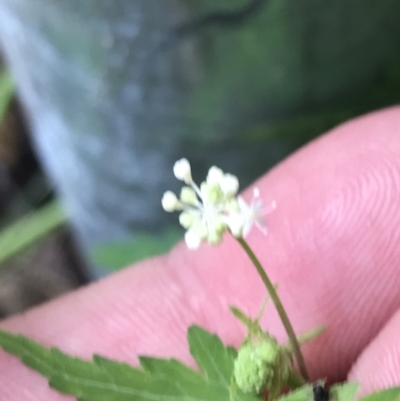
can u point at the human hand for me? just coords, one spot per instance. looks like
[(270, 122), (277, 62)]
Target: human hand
[(333, 248)]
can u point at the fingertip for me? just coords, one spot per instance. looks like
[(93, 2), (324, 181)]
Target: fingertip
[(378, 367)]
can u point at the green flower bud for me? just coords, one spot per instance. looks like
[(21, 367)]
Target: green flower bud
[(187, 218), (255, 364), (188, 196), (211, 193), (170, 202)]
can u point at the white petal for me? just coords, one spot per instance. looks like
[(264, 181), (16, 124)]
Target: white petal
[(247, 228), (253, 214), (261, 224), (243, 206), (268, 209)]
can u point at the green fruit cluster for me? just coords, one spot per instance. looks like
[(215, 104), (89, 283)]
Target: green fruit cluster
[(255, 364)]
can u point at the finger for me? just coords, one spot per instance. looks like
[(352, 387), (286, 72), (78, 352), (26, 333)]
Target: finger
[(331, 247), (378, 367)]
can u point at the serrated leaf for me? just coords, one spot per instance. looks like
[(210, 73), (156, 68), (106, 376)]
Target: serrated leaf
[(344, 391), (303, 393), (214, 359), (158, 380), (391, 394), (167, 368), (30, 353)]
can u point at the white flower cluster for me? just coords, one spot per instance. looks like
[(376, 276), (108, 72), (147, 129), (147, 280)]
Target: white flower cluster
[(213, 208)]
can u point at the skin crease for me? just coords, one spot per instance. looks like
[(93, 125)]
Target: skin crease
[(333, 247)]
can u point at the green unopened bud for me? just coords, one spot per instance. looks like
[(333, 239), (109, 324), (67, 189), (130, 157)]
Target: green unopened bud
[(187, 218), (255, 364), (188, 196), (214, 237), (170, 202), (200, 229), (211, 193)]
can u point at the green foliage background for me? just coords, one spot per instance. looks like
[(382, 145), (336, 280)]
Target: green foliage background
[(294, 71)]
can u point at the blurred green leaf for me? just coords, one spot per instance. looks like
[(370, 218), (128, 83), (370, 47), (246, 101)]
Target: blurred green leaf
[(390, 394), (157, 380), (30, 229), (344, 391), (121, 254), (311, 58), (6, 92)]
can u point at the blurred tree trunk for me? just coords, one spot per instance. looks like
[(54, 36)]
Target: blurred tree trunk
[(110, 114)]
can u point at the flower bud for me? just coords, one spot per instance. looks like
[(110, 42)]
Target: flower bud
[(211, 193), (182, 171), (187, 218), (215, 175), (193, 241), (229, 185), (214, 237), (188, 196), (170, 202)]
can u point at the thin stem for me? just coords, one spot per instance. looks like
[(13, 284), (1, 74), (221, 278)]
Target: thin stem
[(279, 307)]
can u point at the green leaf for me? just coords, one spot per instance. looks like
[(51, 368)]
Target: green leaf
[(303, 393), (344, 391), (30, 229), (117, 255), (391, 394), (214, 359), (6, 92), (157, 380)]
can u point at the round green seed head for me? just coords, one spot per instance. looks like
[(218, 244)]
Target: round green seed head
[(255, 364)]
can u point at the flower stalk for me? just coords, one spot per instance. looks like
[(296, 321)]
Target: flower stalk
[(213, 208), (279, 307)]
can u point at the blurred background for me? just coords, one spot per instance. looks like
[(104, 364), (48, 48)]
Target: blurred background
[(99, 98)]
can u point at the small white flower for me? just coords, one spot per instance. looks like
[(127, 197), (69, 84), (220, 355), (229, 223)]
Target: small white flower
[(208, 211), (182, 171), (254, 213)]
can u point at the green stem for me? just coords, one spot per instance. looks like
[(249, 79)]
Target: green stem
[(294, 380), (279, 307)]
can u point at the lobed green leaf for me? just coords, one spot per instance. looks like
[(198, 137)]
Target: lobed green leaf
[(103, 379), (157, 380), (391, 394)]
